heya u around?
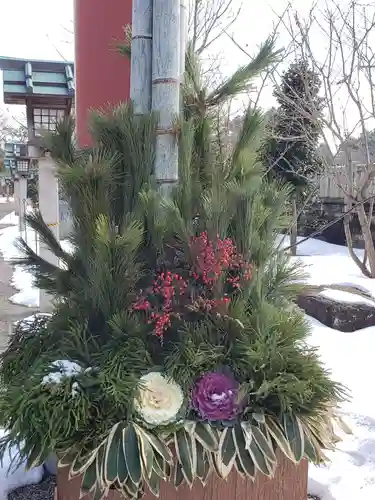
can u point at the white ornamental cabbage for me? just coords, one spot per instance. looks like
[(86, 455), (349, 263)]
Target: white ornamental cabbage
[(159, 400)]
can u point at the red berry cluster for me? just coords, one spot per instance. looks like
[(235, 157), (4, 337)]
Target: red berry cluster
[(212, 259), (167, 288), (171, 292)]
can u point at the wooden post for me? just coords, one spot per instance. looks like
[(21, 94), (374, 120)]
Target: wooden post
[(166, 43), (141, 56)]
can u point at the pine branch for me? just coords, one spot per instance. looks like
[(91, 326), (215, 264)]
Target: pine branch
[(35, 222), (240, 81)]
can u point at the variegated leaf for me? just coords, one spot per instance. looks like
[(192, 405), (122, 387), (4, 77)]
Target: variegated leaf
[(160, 466), (189, 427), (80, 463), (114, 442), (178, 478), (203, 466), (264, 444), (227, 448), (154, 483), (99, 467), (206, 436), (147, 456), (243, 456), (186, 451), (122, 469), (88, 480), (295, 435), (159, 446), (219, 467), (274, 428), (132, 454), (260, 459)]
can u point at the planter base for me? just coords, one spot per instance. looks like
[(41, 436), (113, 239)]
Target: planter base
[(289, 483)]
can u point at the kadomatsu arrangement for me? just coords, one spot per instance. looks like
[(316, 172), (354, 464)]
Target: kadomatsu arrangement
[(174, 350)]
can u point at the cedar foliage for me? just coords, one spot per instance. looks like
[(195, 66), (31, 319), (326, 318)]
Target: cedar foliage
[(291, 147)]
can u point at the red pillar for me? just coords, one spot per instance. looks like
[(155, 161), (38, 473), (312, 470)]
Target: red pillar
[(102, 74)]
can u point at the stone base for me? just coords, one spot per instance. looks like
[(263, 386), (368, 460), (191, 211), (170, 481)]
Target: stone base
[(289, 483)]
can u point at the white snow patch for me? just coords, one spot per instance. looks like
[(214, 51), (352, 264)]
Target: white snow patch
[(66, 369), (14, 474), (22, 280), (350, 357), (12, 219)]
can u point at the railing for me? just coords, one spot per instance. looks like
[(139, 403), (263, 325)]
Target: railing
[(335, 182)]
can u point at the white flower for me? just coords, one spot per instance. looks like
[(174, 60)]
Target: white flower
[(159, 399)]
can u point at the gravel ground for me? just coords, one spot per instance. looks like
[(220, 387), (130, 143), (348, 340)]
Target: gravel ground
[(42, 491)]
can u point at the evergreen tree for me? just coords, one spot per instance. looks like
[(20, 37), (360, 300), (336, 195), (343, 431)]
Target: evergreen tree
[(186, 288), (290, 150)]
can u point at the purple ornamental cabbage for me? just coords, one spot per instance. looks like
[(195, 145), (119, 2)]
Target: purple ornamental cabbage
[(214, 397)]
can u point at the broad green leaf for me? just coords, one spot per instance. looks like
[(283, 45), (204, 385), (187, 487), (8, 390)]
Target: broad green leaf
[(200, 460), (187, 454), (161, 467), (310, 451), (154, 483), (203, 464), (159, 471), (147, 455), (159, 446), (343, 425), (131, 488), (243, 454), (260, 460), (114, 443), (259, 417), (239, 468), (122, 470), (66, 459), (190, 427), (80, 463), (263, 444), (178, 479), (98, 493), (131, 454), (99, 466), (221, 470), (294, 434), (206, 436), (248, 432), (278, 435), (227, 448), (88, 479)]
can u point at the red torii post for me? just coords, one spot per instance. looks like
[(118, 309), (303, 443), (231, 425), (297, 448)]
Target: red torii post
[(102, 74)]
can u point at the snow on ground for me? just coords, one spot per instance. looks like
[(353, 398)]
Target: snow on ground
[(10, 219), (4, 199), (328, 264), (350, 357), (14, 474), (22, 280)]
